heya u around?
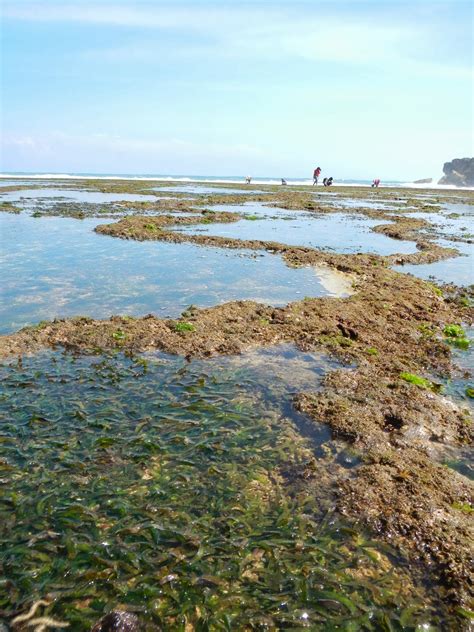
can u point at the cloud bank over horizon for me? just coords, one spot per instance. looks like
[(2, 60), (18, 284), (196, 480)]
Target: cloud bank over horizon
[(366, 89)]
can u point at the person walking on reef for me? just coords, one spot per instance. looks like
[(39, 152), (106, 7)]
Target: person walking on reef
[(316, 174), (376, 183)]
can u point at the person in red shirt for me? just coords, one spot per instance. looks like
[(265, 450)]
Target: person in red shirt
[(316, 174), (376, 183)]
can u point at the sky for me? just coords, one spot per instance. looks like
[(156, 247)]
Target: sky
[(268, 88)]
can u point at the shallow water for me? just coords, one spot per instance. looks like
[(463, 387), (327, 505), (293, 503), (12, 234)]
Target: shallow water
[(458, 207), (258, 209), (445, 224), (57, 267), (159, 485), (362, 203), (335, 231), (457, 270), (15, 183), (74, 195), (456, 389), (206, 190), (463, 379)]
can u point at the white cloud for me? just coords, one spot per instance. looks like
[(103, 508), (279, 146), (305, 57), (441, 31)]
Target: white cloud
[(140, 14), (259, 31)]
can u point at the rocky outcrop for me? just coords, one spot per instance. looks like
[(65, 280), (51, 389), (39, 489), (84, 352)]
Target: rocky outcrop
[(459, 172), (423, 181)]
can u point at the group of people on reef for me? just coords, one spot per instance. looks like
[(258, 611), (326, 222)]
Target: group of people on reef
[(316, 173), (326, 182)]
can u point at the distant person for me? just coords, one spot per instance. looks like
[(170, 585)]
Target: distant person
[(328, 181), (283, 182), (316, 174), (248, 180), (376, 183)]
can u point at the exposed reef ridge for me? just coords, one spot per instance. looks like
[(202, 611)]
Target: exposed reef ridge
[(154, 228)]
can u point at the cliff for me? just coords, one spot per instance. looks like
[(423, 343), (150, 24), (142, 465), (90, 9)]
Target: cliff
[(459, 171)]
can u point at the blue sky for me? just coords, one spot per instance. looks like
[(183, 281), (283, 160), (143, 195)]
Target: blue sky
[(363, 89)]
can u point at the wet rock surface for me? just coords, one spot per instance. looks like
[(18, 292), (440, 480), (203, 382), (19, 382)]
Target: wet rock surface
[(400, 489)]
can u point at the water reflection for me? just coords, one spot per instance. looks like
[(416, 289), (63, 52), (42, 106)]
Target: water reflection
[(75, 195), (57, 267), (335, 231)]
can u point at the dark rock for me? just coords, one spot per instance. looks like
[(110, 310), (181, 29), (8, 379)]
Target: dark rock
[(423, 181), (117, 621), (459, 172)]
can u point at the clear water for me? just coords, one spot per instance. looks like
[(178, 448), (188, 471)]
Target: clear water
[(57, 267), (204, 190), (258, 209), (72, 195), (458, 207), (335, 231), (456, 388), (362, 203), (446, 225), (464, 377), (457, 270), (165, 487)]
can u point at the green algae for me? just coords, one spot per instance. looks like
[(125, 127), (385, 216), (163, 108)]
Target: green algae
[(152, 227), (454, 331), (119, 335), (182, 327), (456, 336), (372, 351), (461, 343), (417, 380), (166, 489), (464, 507), (8, 207)]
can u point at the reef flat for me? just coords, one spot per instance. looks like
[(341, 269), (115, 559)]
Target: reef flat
[(392, 339)]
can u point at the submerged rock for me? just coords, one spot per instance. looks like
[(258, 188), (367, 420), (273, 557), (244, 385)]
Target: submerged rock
[(459, 172), (117, 621)]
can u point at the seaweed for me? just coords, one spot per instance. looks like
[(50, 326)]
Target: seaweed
[(169, 493), (417, 380), (182, 327), (456, 336)]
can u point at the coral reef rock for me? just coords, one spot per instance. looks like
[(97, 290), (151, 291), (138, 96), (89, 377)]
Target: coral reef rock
[(459, 171)]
